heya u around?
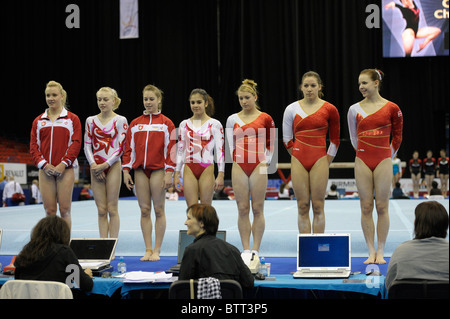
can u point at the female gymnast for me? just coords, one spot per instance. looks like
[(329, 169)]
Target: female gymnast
[(199, 137), (429, 170), (305, 126), (371, 123), (442, 166), (415, 168), (250, 134), (410, 13), (104, 142), (54, 145), (151, 152)]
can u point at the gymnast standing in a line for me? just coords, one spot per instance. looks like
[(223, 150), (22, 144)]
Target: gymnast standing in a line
[(305, 126), (104, 142), (199, 139), (151, 152), (415, 168), (55, 143), (371, 123), (250, 134)]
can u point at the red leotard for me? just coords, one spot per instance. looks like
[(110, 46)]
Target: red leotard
[(250, 143), (370, 133), (310, 132)]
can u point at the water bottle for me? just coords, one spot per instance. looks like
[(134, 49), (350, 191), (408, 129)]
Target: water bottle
[(263, 268), (121, 266)]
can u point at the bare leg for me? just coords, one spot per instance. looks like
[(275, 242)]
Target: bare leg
[(258, 186), (364, 184), (300, 184), (241, 190), (382, 178), (159, 199)]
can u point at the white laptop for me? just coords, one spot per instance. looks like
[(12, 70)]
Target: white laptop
[(323, 256), (94, 253)]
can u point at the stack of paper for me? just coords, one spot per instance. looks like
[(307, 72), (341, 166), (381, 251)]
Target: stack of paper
[(144, 276)]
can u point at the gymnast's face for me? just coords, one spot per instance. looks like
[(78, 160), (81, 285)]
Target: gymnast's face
[(367, 86), (53, 97), (310, 88), (151, 102), (105, 101), (198, 104), (247, 100), (194, 227)]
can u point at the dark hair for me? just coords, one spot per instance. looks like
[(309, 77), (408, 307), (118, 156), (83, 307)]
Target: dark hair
[(317, 77), (207, 98), (48, 231), (431, 220), (207, 215)]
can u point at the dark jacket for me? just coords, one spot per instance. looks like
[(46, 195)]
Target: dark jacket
[(209, 256), (52, 267)]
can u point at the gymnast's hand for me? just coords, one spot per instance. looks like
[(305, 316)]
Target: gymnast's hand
[(127, 180)]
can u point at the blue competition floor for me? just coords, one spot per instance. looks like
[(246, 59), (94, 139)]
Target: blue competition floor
[(342, 216)]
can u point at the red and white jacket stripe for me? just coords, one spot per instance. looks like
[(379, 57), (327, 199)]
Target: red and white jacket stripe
[(150, 144), (56, 142)]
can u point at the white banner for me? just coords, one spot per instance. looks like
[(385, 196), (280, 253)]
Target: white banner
[(129, 22), (19, 171)]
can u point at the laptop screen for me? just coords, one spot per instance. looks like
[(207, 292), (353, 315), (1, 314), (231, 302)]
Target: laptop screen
[(93, 249), (324, 250), (185, 240)]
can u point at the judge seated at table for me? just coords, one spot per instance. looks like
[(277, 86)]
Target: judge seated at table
[(209, 256)]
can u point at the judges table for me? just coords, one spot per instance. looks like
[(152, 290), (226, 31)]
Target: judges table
[(281, 286)]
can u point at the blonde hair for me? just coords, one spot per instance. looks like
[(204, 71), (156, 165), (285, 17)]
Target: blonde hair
[(158, 93), (249, 86), (61, 90), (113, 92)]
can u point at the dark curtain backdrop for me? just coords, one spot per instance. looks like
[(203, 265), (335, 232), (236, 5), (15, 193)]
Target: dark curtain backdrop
[(213, 44)]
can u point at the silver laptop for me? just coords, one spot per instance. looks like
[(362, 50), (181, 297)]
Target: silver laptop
[(94, 253), (185, 240), (1, 233), (323, 256)]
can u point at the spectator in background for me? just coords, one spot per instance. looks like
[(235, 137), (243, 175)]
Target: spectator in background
[(426, 256), (11, 188), (35, 193), (171, 194), (396, 170), (333, 193), (86, 192), (283, 192), (434, 189), (2, 187), (397, 192)]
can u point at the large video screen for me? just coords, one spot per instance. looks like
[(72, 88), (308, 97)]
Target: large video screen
[(415, 28)]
